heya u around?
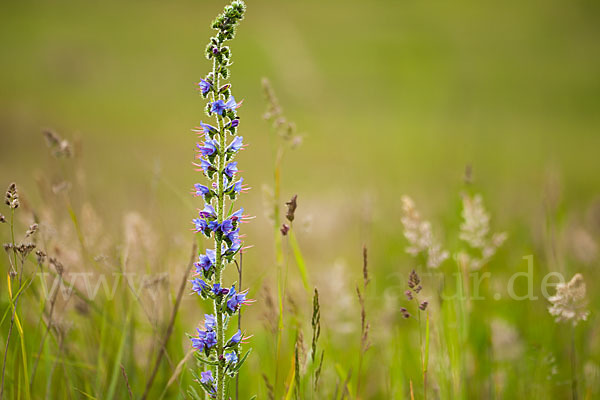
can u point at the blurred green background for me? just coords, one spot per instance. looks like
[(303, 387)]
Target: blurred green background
[(392, 97)]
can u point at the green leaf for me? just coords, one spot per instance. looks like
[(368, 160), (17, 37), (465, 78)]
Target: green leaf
[(239, 364), (192, 392), (204, 360)]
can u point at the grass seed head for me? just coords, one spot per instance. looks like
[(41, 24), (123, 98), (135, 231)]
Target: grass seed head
[(32, 230), (419, 235), (291, 205), (60, 148), (12, 196), (569, 303)]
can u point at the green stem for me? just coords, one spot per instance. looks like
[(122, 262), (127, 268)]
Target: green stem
[(219, 256), (574, 394), (12, 236), (14, 300), (279, 254), (421, 350)]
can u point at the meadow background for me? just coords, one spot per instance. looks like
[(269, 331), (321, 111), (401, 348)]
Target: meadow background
[(391, 98)]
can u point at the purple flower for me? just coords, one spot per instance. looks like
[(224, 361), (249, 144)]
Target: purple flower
[(198, 343), (218, 107), (198, 285), (207, 129), (234, 188), (206, 377), (210, 147), (209, 322), (234, 123), (206, 166), (206, 339), (205, 86), (231, 104), (217, 290), (224, 227), (208, 212), (201, 190), (236, 216), (214, 226), (211, 339), (205, 261), (230, 169), (234, 302), (235, 145), (199, 225), (231, 358), (237, 187), (233, 235), (236, 245), (235, 339), (227, 226)]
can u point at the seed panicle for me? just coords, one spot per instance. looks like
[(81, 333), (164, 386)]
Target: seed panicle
[(12, 196), (291, 205), (569, 303), (419, 235)]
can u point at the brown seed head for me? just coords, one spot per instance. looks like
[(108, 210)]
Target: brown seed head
[(292, 204), (25, 248), (41, 256), (414, 280), (57, 265), (58, 146), (32, 230), (12, 196)]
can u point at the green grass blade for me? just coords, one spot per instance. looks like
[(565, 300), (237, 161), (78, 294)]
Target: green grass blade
[(299, 261), (116, 367), (426, 360)]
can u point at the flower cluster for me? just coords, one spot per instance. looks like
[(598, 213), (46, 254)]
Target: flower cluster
[(215, 157)]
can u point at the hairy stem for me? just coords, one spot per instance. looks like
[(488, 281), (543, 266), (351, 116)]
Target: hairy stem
[(237, 377), (219, 256)]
